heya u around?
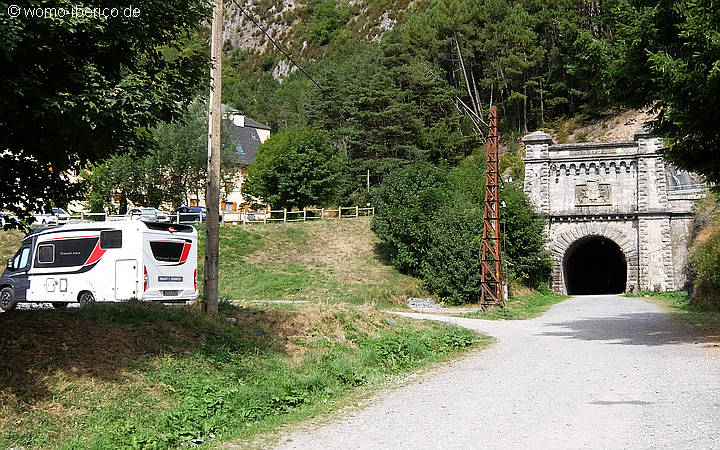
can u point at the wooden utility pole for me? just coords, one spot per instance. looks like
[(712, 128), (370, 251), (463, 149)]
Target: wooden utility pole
[(490, 257), (212, 192)]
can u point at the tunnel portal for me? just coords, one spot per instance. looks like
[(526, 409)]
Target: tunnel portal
[(595, 265)]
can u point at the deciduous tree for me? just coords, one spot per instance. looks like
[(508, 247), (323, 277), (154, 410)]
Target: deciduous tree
[(77, 88), (298, 168)]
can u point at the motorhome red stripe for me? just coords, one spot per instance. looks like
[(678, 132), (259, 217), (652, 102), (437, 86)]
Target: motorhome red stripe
[(186, 252), (95, 255)]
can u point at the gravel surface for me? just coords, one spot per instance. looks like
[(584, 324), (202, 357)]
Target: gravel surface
[(593, 372)]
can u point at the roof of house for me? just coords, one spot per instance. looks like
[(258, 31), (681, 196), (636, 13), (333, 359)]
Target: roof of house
[(246, 139), (246, 142)]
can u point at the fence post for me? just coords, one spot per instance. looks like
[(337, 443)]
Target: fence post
[(267, 212), (304, 215), (284, 215), (357, 212), (322, 213)]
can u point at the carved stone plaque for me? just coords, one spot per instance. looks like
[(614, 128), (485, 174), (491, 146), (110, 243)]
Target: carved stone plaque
[(592, 193)]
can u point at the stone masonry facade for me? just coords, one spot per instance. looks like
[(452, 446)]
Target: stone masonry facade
[(621, 191)]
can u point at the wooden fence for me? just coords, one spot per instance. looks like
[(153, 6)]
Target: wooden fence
[(250, 217)]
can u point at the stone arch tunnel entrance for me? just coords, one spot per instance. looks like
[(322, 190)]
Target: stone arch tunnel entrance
[(594, 265)]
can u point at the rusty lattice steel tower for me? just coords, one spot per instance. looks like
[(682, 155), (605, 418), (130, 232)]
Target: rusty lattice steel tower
[(490, 256)]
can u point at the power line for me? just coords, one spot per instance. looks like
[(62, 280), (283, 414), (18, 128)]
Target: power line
[(251, 19)]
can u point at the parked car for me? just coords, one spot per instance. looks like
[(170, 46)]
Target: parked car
[(147, 214), (184, 214), (61, 215), (204, 211), (7, 218), (58, 216), (188, 214)]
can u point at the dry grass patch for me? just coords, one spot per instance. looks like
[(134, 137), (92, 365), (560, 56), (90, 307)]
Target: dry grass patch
[(142, 375), (327, 260), (9, 243)]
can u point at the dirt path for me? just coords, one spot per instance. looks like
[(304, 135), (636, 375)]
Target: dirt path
[(593, 372)]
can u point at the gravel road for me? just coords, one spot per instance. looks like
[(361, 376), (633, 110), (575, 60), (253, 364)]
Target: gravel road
[(593, 372)]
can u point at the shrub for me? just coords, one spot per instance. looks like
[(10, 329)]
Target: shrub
[(451, 267), (705, 260), (298, 168), (432, 221), (404, 206), (524, 242)]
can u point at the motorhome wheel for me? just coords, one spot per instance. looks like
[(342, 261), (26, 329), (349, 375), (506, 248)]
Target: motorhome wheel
[(86, 298), (7, 299)]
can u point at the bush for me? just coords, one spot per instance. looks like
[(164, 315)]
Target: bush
[(298, 168), (524, 242), (404, 206), (451, 267), (432, 221), (705, 260)]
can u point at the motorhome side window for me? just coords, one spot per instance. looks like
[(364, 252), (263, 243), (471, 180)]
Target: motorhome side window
[(46, 254), (111, 239)]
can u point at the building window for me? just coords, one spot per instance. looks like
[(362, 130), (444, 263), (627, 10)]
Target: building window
[(239, 149), (194, 202), (229, 186), (229, 206)]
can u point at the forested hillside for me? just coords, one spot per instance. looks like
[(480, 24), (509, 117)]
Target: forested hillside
[(393, 96), (536, 60)]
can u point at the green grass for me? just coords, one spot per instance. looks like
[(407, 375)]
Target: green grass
[(141, 375), (520, 308), (327, 261)]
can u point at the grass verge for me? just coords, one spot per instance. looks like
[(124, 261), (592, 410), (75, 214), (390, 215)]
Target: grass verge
[(520, 308), (327, 261), (705, 323), (142, 375)]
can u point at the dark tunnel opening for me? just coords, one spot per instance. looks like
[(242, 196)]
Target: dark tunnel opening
[(595, 265)]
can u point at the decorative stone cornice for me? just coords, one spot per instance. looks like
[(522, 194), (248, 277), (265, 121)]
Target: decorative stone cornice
[(537, 137)]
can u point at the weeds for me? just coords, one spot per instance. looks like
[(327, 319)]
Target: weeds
[(520, 308), (188, 378), (704, 320)]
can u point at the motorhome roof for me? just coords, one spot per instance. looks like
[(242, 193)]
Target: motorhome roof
[(111, 225)]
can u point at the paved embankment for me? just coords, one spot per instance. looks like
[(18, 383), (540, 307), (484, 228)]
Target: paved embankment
[(593, 372)]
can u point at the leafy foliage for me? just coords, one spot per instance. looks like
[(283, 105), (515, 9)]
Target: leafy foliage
[(431, 220), (77, 89), (173, 169), (405, 203), (298, 168), (669, 53)]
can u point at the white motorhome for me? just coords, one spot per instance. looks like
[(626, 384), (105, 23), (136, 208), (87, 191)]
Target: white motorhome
[(103, 262)]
